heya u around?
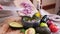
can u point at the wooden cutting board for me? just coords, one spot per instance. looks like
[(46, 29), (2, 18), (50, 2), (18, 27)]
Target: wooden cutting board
[(4, 27), (5, 13)]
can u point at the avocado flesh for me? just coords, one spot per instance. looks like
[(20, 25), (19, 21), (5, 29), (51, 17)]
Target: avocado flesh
[(30, 31), (15, 24)]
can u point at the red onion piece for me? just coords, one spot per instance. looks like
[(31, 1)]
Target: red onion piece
[(1, 7)]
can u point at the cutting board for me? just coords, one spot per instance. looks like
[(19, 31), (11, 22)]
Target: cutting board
[(5, 13)]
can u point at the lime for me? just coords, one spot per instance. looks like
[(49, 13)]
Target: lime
[(43, 25)]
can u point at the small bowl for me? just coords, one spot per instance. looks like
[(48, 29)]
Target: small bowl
[(27, 24)]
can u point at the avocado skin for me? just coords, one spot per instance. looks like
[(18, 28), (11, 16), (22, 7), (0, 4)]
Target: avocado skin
[(12, 27), (43, 30), (15, 28)]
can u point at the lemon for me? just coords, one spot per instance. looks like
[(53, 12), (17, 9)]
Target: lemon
[(38, 14)]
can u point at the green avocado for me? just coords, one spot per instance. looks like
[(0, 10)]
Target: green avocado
[(43, 30), (30, 31), (15, 25)]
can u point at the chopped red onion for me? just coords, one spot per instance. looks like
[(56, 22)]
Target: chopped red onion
[(1, 7)]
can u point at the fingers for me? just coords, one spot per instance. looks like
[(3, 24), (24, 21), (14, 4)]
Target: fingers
[(5, 26), (4, 29), (14, 32)]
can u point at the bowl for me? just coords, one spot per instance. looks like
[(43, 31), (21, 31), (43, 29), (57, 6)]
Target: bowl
[(29, 23)]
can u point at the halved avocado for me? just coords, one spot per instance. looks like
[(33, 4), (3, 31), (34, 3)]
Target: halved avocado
[(30, 31), (15, 25)]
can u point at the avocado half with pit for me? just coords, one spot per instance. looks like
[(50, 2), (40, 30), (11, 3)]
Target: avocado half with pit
[(30, 31), (15, 25)]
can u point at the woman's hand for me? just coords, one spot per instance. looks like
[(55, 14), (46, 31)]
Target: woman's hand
[(5, 27)]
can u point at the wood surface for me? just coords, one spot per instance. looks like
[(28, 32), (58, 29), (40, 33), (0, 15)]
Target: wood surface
[(5, 28)]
